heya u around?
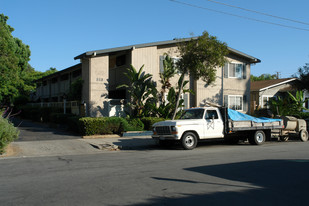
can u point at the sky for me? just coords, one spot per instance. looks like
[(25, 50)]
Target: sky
[(59, 30)]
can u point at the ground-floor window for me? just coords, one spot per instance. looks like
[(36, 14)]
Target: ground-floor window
[(185, 98), (235, 102), (266, 100)]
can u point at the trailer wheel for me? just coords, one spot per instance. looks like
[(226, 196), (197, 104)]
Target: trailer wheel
[(189, 141), (303, 135), (257, 138)]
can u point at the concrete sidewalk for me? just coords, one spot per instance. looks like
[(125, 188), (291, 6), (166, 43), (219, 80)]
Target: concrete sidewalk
[(77, 146), (37, 140)]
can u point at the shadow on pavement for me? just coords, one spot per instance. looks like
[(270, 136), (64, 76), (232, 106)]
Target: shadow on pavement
[(266, 182)]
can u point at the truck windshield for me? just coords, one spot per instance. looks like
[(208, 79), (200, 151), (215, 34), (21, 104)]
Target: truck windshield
[(193, 114)]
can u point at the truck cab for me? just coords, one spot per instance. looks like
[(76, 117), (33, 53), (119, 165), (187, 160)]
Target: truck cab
[(195, 124)]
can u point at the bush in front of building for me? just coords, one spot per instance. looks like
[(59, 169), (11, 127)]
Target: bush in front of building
[(135, 124), (103, 125), (149, 121), (7, 133)]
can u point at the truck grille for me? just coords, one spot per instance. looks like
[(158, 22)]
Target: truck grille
[(163, 130)]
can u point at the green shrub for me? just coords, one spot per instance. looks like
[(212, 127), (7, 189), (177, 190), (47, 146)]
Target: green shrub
[(7, 133), (74, 124), (135, 124), (103, 125), (149, 121), (304, 115)]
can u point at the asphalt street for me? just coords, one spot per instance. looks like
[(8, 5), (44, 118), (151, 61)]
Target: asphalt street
[(271, 174), (275, 173)]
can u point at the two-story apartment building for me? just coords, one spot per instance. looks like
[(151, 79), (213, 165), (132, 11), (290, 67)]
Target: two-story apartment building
[(103, 70)]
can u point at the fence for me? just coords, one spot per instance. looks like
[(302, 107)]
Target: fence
[(75, 106)]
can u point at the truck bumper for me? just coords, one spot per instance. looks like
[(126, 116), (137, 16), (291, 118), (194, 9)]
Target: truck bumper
[(165, 137)]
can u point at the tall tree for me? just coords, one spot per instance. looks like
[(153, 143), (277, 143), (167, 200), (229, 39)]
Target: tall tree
[(200, 57), (303, 75), (263, 77), (14, 58)]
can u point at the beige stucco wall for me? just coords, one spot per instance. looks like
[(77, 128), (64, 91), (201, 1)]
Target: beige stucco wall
[(96, 72), (99, 86), (209, 93), (147, 57), (95, 89)]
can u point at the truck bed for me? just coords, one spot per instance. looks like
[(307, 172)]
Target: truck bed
[(235, 121), (234, 126)]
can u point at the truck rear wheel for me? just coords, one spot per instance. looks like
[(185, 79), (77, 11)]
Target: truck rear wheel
[(257, 138), (303, 135), (189, 141)]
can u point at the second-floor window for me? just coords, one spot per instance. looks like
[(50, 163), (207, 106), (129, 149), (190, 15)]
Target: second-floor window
[(235, 70), (174, 59)]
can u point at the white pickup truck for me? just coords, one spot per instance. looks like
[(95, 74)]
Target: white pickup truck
[(213, 122)]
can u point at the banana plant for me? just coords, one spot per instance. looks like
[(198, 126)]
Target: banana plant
[(141, 89)]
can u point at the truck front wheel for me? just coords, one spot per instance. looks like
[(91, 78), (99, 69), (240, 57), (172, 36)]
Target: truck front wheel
[(257, 138), (189, 141)]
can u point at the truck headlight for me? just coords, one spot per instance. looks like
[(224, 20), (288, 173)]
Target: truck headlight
[(174, 130), (154, 130)]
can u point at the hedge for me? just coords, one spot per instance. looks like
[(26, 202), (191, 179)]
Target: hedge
[(149, 121), (7, 133), (102, 125), (135, 124)]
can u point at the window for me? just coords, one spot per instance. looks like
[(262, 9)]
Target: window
[(193, 114), (235, 102), (174, 59), (184, 97), (120, 60), (265, 101), (211, 114), (235, 70)]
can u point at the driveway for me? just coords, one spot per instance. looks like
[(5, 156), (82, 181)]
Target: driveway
[(33, 131), (38, 139)]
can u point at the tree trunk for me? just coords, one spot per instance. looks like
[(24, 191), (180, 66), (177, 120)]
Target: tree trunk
[(178, 97)]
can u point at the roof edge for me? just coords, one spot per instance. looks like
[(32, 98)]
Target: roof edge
[(159, 43), (274, 85)]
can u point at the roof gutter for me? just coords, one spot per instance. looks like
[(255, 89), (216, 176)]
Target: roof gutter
[(104, 51)]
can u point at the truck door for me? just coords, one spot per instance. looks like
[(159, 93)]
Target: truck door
[(213, 124)]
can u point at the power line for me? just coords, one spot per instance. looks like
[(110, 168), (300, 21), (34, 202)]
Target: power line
[(258, 12), (239, 16)]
